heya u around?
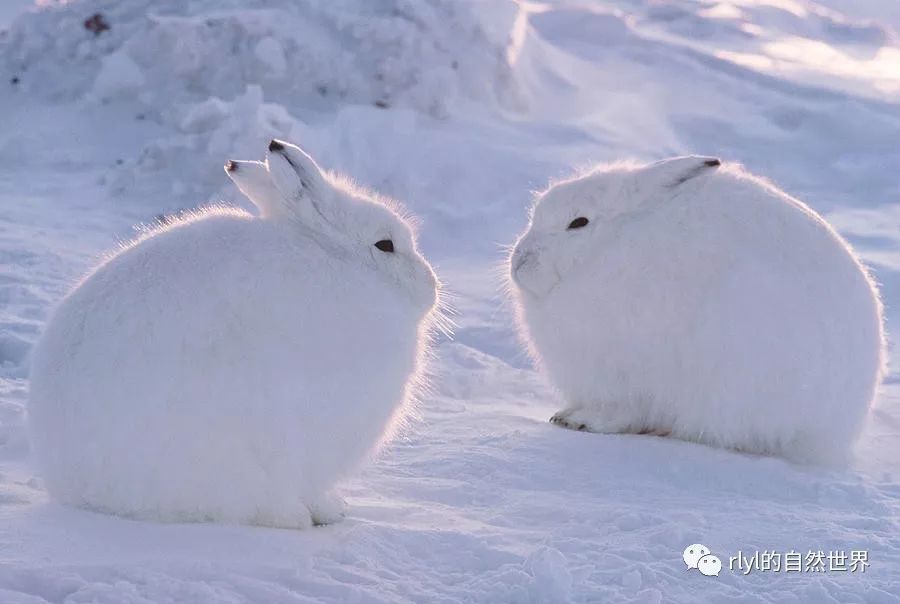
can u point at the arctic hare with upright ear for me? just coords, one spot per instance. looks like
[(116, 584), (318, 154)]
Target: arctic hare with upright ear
[(689, 298), (233, 368)]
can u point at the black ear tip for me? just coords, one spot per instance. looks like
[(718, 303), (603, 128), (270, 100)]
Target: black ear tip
[(231, 166), (275, 145), (713, 163)]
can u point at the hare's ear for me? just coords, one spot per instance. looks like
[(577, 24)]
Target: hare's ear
[(252, 178), (677, 170), (294, 172)]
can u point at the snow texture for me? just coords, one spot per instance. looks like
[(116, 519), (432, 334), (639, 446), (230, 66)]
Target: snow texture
[(652, 295), (480, 498)]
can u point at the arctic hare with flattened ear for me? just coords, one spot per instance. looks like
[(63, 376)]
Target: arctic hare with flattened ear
[(233, 368), (689, 298)]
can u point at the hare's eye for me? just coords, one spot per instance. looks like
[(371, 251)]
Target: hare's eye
[(385, 245), (578, 223)]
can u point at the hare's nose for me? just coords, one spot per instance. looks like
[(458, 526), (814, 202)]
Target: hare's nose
[(522, 256), (520, 259)]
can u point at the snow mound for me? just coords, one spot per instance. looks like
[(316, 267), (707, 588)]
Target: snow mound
[(424, 55), (202, 136), (218, 79)]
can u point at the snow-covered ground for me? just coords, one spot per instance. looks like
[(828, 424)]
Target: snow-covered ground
[(459, 109)]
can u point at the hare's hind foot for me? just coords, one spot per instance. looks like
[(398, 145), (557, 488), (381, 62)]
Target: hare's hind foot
[(328, 509)]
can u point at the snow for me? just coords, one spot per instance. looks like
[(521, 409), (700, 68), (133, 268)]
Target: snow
[(480, 499), (119, 76)]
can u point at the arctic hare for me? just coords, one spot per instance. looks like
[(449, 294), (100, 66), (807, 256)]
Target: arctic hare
[(232, 368), (689, 298)]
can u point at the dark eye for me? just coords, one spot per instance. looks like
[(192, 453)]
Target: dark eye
[(385, 245), (578, 223)]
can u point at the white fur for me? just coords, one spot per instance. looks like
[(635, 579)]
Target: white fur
[(233, 368), (703, 303)]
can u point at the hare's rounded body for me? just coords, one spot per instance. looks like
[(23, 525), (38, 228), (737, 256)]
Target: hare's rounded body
[(703, 303), (226, 368)]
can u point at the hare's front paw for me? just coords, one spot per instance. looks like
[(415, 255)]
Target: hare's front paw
[(328, 509), (604, 419), (569, 418)]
